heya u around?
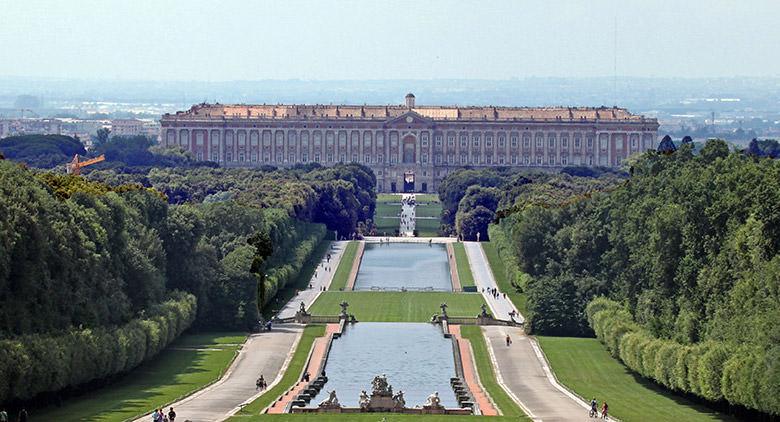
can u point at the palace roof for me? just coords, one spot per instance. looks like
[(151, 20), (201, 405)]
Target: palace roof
[(207, 111)]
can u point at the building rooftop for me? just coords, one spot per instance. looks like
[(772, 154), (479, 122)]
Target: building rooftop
[(378, 112)]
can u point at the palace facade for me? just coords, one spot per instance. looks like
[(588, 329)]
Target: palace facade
[(410, 148)]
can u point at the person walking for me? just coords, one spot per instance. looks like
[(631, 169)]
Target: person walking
[(3, 416), (508, 340), (604, 410), (22, 415), (172, 415)]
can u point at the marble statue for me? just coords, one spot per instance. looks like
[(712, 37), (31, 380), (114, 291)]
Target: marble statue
[(443, 307), (331, 402), (364, 401), (399, 400), (380, 385), (303, 308), (484, 311), (433, 401)]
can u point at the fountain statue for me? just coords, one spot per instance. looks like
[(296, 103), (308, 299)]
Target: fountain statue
[(484, 312), (344, 306), (443, 307), (302, 308), (381, 387), (332, 402), (399, 400), (364, 401), (433, 402)]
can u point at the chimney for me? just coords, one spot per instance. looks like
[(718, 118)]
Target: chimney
[(410, 100)]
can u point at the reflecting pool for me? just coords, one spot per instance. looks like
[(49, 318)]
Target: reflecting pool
[(415, 357), (413, 266)]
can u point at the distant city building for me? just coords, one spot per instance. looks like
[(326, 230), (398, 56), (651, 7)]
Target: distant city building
[(24, 126), (126, 127), (409, 147)]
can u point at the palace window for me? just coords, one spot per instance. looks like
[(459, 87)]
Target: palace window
[(489, 159), (214, 157), (199, 138), (619, 143), (393, 159), (184, 138), (254, 138), (342, 139), (501, 141), (438, 158), (279, 138), (590, 160), (489, 141), (437, 140), (367, 159), (451, 159), (329, 158), (450, 141), (342, 158), (589, 143), (564, 160), (380, 158), (565, 142), (316, 158), (380, 140), (355, 139), (305, 157), (475, 159), (634, 141), (354, 158), (603, 142), (526, 141), (463, 159), (514, 159), (513, 141), (279, 158), (539, 160), (266, 158), (267, 138), (424, 158), (539, 141), (463, 141), (500, 159), (551, 141), (551, 160), (200, 156), (475, 141), (527, 160), (577, 142)]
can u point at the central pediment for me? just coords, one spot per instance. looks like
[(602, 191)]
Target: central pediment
[(409, 118)]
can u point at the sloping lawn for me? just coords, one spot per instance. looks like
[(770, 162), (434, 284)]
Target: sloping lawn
[(585, 366), (518, 299), (341, 275), (189, 364), (398, 306), (464, 269)]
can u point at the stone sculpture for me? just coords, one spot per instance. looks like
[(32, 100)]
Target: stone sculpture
[(433, 401), (344, 306), (364, 401), (380, 386), (443, 307), (332, 402), (399, 400), (484, 313)]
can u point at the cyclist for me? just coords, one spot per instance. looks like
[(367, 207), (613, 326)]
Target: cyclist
[(594, 408)]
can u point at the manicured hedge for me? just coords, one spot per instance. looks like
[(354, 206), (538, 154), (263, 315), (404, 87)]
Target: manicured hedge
[(34, 364), (740, 374)]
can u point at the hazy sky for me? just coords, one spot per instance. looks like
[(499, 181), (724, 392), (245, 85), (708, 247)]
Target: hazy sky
[(252, 39)]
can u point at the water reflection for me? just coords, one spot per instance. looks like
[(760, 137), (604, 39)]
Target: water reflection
[(394, 266), (415, 357)]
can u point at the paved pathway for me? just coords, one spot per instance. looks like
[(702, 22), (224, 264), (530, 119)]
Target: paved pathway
[(320, 279), (483, 278), (264, 353), (525, 373)]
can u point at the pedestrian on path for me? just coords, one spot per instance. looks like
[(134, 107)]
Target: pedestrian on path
[(260, 383), (3, 416), (172, 415), (508, 340)]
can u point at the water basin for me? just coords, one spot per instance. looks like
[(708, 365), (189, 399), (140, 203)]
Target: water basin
[(415, 357), (412, 266)]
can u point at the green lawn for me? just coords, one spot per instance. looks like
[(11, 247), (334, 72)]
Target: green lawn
[(398, 306), (585, 366), (341, 275), (294, 370), (486, 375), (464, 269), (519, 299), (427, 198), (388, 197), (387, 206), (428, 210), (192, 362)]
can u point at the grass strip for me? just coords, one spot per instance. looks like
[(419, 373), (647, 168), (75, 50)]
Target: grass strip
[(585, 366), (341, 275), (300, 283), (486, 372), (398, 306), (464, 269), (189, 364), (291, 374)]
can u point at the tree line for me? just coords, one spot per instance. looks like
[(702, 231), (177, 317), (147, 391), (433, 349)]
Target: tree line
[(687, 248)]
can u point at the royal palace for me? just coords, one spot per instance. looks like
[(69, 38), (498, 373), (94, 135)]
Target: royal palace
[(410, 148)]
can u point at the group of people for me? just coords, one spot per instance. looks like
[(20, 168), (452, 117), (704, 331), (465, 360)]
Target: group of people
[(494, 291), (21, 417), (594, 409), (260, 384), (160, 416)]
